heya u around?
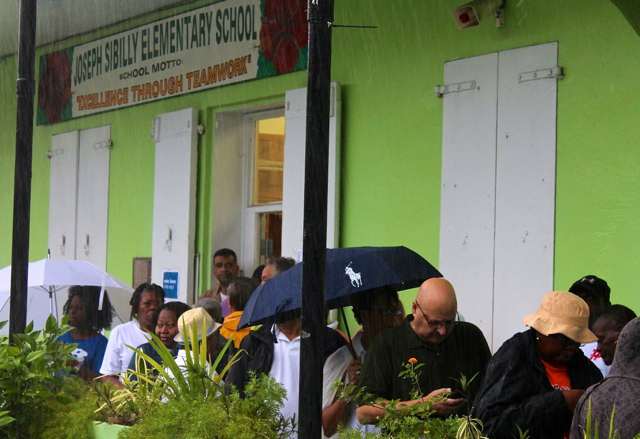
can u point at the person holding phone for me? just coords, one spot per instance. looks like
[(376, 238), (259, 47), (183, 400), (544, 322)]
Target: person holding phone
[(432, 336)]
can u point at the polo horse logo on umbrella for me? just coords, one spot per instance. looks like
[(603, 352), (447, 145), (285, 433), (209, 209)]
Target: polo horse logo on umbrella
[(397, 266), (356, 279)]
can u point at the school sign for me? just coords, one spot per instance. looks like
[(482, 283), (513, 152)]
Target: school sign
[(222, 44)]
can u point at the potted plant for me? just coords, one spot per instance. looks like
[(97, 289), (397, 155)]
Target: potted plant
[(192, 401)]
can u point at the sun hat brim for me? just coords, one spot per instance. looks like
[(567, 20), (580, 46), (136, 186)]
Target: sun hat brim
[(210, 330), (563, 313), (547, 326)]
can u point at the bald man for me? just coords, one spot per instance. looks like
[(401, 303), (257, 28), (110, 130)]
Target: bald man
[(430, 334)]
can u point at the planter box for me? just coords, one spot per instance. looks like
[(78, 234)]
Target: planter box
[(102, 430)]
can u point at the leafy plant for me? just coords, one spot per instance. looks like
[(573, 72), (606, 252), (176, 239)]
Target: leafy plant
[(72, 419), (416, 421), (33, 375), (152, 382), (470, 428), (170, 400), (222, 417), (595, 434), (523, 434)]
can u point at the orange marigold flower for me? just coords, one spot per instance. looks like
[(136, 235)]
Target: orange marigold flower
[(413, 360)]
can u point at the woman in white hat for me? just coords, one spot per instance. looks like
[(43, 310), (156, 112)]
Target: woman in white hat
[(536, 378), (204, 325)]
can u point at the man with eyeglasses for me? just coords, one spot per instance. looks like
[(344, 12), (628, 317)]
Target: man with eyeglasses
[(448, 350)]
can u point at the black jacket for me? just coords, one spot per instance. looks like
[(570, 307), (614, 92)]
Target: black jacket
[(515, 390), (258, 354)]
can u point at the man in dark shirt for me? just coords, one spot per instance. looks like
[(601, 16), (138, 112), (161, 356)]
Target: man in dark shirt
[(431, 335)]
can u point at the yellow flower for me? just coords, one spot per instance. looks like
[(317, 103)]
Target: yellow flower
[(413, 360)]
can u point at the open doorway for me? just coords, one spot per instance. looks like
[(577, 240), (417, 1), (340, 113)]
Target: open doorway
[(248, 176), (265, 161), (258, 179)]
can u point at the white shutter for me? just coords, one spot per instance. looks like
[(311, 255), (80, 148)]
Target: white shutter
[(468, 185), (78, 206), (174, 200), (498, 193), (525, 186), (294, 161), (93, 196), (63, 195)]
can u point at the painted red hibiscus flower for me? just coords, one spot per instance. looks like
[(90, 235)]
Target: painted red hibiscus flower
[(284, 32), (54, 88)]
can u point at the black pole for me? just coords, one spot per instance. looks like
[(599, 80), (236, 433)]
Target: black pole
[(316, 178), (22, 184)]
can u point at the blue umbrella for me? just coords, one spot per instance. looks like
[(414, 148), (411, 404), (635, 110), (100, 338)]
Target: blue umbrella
[(349, 271)]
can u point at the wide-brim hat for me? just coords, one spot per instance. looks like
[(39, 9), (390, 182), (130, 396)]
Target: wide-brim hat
[(563, 313), (204, 323)]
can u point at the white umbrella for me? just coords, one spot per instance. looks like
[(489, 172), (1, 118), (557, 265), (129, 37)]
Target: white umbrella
[(51, 277)]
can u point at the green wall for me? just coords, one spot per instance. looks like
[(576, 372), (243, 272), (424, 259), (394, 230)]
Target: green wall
[(393, 127), (392, 135)]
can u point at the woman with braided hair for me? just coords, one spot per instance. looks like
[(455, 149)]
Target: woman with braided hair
[(87, 321)]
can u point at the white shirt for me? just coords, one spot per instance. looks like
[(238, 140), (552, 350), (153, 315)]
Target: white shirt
[(591, 352), (334, 369), (181, 362), (117, 355), (285, 369)]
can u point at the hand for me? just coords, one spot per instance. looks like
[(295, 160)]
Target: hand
[(448, 406), (571, 397), (353, 370)]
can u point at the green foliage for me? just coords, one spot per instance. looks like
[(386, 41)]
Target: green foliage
[(170, 400), (592, 431), (416, 421), (32, 378), (523, 434), (152, 382), (72, 419), (222, 417)]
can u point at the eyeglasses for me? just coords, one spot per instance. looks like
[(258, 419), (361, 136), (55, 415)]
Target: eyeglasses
[(435, 324), (384, 312), (563, 340)]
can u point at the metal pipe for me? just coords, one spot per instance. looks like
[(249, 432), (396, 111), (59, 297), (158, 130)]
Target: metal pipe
[(22, 184), (316, 177)]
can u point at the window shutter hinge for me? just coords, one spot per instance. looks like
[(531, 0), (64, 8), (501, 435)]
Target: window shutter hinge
[(442, 90), (155, 130), (103, 145), (553, 72), (54, 152), (332, 99)]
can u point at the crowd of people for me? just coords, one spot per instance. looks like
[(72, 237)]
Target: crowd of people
[(579, 351)]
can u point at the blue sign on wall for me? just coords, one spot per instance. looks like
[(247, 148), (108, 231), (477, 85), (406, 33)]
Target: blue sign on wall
[(170, 284)]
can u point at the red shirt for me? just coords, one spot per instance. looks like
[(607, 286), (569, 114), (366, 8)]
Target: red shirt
[(559, 379), (558, 375)]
